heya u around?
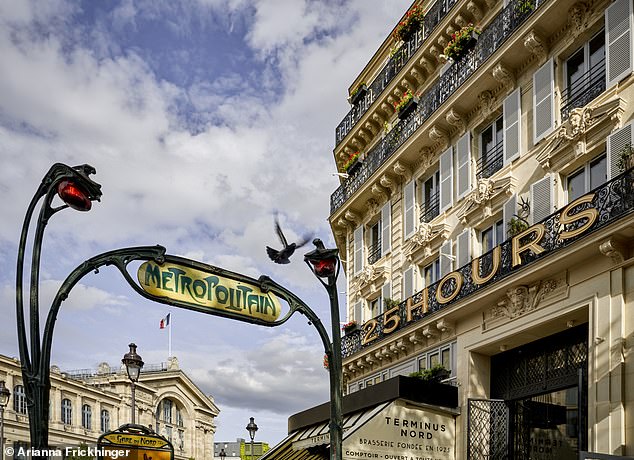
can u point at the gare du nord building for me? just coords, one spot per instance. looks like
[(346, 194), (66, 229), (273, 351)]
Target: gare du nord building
[(495, 213)]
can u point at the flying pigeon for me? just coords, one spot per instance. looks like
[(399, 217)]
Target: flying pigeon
[(282, 256)]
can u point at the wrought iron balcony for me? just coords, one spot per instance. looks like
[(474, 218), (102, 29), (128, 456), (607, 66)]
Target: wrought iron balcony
[(490, 40), (374, 252), (583, 90), (490, 162), (611, 202), (430, 208), (393, 67)]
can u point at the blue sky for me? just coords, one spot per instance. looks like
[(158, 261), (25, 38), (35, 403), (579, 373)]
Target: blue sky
[(203, 118)]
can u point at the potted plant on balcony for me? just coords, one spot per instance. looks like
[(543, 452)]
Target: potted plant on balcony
[(432, 383), (626, 158), (412, 22), (358, 94), (516, 226), (406, 105), (350, 327), (461, 42), (352, 163), (435, 374)]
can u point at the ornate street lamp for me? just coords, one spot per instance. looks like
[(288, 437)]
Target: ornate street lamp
[(4, 400), (252, 428), (325, 264), (133, 364)]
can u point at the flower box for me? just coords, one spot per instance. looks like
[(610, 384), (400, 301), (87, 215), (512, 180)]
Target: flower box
[(408, 108), (461, 42), (350, 328), (358, 95)]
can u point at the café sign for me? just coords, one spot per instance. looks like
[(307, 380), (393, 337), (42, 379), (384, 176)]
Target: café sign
[(209, 291)]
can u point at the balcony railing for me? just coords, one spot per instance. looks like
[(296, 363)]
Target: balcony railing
[(612, 201), (374, 253), (584, 89), (490, 40), (490, 162), (431, 208), (393, 67)]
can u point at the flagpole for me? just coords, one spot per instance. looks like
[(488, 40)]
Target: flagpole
[(169, 339)]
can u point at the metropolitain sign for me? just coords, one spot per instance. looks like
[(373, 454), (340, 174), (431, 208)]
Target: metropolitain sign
[(574, 220)]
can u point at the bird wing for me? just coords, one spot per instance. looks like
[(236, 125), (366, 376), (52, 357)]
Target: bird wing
[(273, 254), (278, 229), (305, 239)]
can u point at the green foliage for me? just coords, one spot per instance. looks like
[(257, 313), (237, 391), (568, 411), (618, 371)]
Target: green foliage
[(435, 374), (625, 157), (524, 6), (516, 226), (390, 303)]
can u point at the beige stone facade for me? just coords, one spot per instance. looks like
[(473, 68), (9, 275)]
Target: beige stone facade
[(533, 118), (86, 403)]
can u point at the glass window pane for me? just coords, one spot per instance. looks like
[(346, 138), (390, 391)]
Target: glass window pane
[(434, 359), (598, 172), (575, 69), (576, 185), (422, 363), (487, 240), (597, 49), (499, 232), (446, 358)]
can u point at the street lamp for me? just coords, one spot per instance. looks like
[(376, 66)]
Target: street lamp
[(4, 400), (252, 428), (325, 264), (222, 454), (133, 364)]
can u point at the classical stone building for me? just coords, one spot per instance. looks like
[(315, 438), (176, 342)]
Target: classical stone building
[(86, 403), (486, 220)]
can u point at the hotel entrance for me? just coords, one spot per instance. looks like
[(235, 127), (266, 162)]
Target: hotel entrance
[(539, 406)]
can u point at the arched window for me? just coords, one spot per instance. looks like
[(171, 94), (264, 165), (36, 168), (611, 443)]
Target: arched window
[(167, 410), (19, 399), (105, 420), (170, 422), (86, 416), (67, 412)]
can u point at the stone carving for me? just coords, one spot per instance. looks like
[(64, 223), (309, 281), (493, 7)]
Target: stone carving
[(461, 21), (455, 119), (379, 192), (436, 51), (614, 249), (438, 134), (486, 103), (371, 128), (475, 10), (402, 170), (420, 78), (387, 182), (536, 45), (504, 75), (524, 299), (443, 42), (425, 157), (372, 207), (427, 65), (490, 3), (378, 119), (479, 198), (579, 121), (387, 108), (352, 217), (578, 18)]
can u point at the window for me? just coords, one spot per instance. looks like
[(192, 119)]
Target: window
[(430, 205), (492, 236), (105, 420), (167, 411), (431, 273), (374, 252), (179, 417), (19, 399), (587, 178), (86, 416), (375, 307), (67, 412), (584, 75), (492, 150)]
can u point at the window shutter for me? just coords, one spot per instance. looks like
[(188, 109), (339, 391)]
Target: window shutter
[(409, 203), (386, 293), (446, 179), (508, 212), (446, 258), (542, 199), (617, 141), (358, 312), (386, 229), (463, 248), (512, 126), (543, 101), (358, 249), (408, 283), (618, 39), (463, 154)]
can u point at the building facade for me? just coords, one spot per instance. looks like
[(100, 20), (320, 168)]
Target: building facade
[(240, 448), (86, 403), (486, 220)]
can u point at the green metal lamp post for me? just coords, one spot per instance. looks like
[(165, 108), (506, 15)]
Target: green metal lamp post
[(252, 428), (133, 365), (325, 264), (4, 400)]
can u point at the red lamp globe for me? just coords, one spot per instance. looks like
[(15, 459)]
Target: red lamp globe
[(325, 267), (74, 195)]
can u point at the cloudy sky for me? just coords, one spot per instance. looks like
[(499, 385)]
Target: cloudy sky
[(202, 118)]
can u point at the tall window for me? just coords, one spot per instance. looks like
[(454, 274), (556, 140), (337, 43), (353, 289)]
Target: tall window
[(179, 417), (374, 253), (431, 273), (492, 236), (584, 75), (67, 412), (587, 178), (105, 420), (19, 399), (86, 416), (430, 204), (375, 307), (167, 411), (492, 150)]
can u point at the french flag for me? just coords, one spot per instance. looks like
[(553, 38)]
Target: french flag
[(165, 322)]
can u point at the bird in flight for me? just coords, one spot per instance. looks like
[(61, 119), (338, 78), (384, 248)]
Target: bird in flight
[(282, 256)]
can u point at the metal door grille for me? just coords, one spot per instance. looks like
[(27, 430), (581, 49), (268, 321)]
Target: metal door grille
[(488, 429)]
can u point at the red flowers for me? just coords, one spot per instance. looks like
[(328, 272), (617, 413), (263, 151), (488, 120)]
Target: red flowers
[(411, 23), (351, 160)]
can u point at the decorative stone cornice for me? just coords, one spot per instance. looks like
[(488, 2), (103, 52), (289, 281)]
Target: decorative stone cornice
[(352, 217), (437, 134), (425, 240), (615, 249), (456, 119), (425, 158), (427, 65), (461, 21), (504, 75), (488, 194), (436, 51), (372, 207), (578, 15), (402, 170), (387, 182), (486, 103), (444, 326), (370, 279), (536, 45), (387, 108), (380, 192), (475, 11), (418, 76), (371, 127)]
